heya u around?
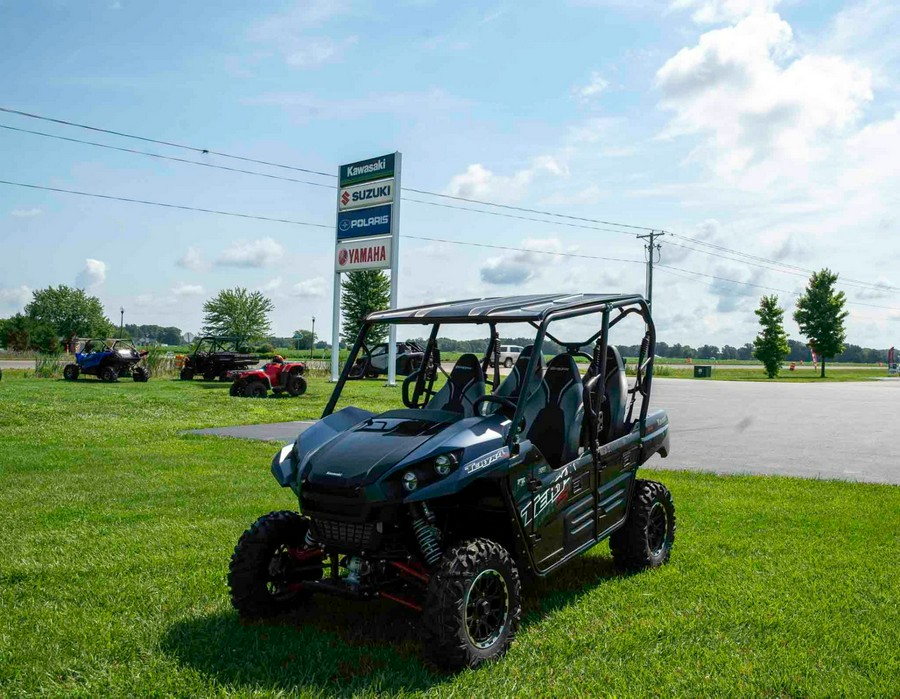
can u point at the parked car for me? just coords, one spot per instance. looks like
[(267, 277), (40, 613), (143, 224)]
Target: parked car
[(509, 354), (443, 505)]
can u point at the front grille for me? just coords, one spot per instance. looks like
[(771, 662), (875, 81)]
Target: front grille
[(346, 535)]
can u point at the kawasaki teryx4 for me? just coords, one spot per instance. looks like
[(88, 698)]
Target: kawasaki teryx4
[(444, 506)]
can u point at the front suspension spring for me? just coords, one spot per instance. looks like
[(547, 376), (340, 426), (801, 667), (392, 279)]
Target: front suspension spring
[(426, 534)]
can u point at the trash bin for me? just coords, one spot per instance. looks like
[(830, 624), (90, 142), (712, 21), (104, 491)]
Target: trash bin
[(702, 371)]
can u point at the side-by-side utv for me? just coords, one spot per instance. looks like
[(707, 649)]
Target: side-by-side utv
[(480, 481)]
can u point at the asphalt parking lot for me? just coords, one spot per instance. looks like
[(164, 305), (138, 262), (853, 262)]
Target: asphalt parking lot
[(845, 431)]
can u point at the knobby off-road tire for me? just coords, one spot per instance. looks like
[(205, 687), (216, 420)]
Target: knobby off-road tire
[(472, 606), (109, 375), (646, 538), (255, 389), (296, 385), (70, 372), (236, 390), (259, 574), (186, 374), (140, 374)]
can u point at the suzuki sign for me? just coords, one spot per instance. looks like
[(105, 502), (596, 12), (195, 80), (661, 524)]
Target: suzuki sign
[(363, 253), (369, 194)]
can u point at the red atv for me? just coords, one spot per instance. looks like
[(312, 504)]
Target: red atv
[(277, 375)]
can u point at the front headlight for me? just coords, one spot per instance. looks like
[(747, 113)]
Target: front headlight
[(410, 481), (444, 464)]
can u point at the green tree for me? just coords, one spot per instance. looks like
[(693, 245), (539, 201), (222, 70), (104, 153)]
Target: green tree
[(820, 314), (238, 313), (61, 312), (303, 339), (771, 345), (362, 293), (15, 333)]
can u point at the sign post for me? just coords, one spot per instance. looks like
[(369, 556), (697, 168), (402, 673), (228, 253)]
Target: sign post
[(367, 234)]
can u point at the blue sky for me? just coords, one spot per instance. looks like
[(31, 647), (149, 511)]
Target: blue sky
[(763, 126)]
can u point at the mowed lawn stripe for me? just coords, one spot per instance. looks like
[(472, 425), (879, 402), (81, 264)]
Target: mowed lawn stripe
[(119, 529)]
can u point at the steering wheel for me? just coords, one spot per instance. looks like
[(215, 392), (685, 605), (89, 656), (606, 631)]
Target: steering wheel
[(490, 398)]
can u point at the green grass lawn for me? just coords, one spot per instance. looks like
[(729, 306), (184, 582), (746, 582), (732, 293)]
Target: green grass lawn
[(759, 374), (118, 531)]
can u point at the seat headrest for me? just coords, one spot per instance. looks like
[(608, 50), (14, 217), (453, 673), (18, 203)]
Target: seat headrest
[(466, 369), (561, 372)]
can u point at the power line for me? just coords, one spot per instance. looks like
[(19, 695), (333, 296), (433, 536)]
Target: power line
[(525, 250), (805, 270), (295, 180), (775, 267), (207, 151), (424, 238), (163, 204)]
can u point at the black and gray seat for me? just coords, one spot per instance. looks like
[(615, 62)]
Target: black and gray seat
[(511, 387), (554, 412), (464, 385), (615, 405)]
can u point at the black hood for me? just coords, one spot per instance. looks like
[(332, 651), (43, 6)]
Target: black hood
[(368, 450)]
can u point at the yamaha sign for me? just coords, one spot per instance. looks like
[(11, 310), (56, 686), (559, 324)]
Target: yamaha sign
[(363, 253)]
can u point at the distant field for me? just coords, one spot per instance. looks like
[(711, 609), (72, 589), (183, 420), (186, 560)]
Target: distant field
[(118, 530), (799, 376)]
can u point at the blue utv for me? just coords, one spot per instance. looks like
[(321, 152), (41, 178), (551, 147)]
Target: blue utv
[(107, 359), (445, 505)]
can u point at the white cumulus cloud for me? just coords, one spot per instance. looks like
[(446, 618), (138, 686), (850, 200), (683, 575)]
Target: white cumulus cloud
[(716, 11), (310, 288), (251, 253), (477, 182), (15, 297), (193, 260), (594, 86), (26, 213), (184, 289), (751, 98), (522, 266), (93, 274)]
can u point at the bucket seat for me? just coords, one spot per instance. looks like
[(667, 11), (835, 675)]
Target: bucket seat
[(554, 412), (464, 385), (512, 385)]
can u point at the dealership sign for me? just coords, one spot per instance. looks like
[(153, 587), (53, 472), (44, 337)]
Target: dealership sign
[(359, 223), (367, 194), (363, 253), (367, 235), (367, 170)]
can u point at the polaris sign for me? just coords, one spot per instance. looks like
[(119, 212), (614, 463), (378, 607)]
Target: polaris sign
[(361, 223), (369, 194), (367, 170)]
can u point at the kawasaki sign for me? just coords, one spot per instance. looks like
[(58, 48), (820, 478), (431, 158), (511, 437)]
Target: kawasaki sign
[(367, 170)]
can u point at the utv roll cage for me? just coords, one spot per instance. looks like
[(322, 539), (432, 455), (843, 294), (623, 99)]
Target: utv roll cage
[(538, 311)]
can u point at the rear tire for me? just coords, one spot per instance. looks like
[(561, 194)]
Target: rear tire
[(140, 374), (108, 375), (472, 606), (187, 374), (70, 372), (255, 389), (209, 376), (260, 576), (296, 385), (647, 537)]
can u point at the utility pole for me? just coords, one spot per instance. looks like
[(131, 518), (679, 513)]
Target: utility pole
[(122, 321), (651, 249), (312, 342)]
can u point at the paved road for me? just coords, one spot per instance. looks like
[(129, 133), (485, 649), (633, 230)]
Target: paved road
[(847, 431)]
